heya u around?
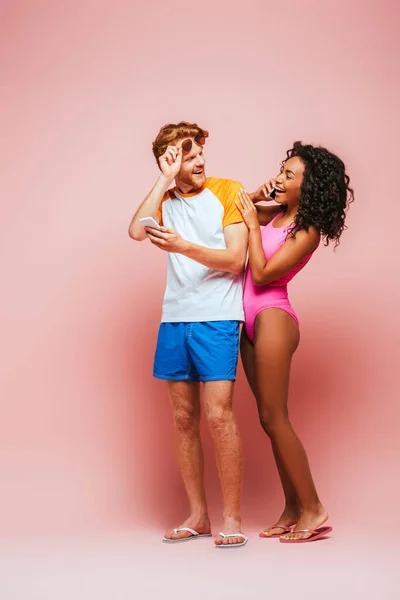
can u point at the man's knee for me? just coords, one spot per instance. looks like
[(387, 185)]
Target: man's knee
[(186, 420), (219, 419)]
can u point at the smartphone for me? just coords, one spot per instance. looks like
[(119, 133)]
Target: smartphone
[(149, 222), (272, 193)]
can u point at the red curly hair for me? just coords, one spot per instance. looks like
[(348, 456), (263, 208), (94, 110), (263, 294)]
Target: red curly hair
[(171, 132)]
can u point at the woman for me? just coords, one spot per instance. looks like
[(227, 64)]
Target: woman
[(312, 194)]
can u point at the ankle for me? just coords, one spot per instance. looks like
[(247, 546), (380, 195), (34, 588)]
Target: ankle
[(313, 509), (292, 508), (232, 518), (199, 514)]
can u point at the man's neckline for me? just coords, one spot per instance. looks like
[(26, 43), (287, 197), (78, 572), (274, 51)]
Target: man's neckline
[(190, 194)]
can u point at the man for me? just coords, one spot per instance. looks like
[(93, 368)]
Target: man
[(206, 240)]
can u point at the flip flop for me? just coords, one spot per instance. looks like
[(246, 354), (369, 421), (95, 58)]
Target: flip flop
[(316, 534), (226, 535), (275, 535), (195, 535)]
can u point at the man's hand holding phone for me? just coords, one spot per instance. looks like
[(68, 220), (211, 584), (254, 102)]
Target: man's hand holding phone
[(164, 238), (149, 222)]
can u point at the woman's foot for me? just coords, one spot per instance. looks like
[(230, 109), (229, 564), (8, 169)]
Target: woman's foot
[(288, 518), (201, 525), (230, 526), (310, 519)]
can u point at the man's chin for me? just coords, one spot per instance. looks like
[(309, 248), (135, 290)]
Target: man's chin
[(198, 181)]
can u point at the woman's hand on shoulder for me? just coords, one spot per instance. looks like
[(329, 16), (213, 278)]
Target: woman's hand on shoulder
[(247, 210)]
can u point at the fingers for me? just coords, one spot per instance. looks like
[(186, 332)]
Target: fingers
[(245, 200), (241, 202), (156, 233), (179, 156), (270, 186), (156, 240), (239, 206), (264, 190), (171, 154)]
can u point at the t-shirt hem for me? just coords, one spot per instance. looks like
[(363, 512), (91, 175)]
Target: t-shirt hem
[(199, 319)]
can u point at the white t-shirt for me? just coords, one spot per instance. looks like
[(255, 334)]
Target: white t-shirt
[(195, 292)]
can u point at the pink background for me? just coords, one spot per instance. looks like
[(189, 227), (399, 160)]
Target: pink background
[(86, 438)]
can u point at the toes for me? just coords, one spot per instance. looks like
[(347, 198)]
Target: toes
[(228, 541), (295, 536), (172, 535), (267, 533), (169, 535), (233, 540)]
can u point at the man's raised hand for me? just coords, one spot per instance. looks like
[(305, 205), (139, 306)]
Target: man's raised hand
[(170, 162)]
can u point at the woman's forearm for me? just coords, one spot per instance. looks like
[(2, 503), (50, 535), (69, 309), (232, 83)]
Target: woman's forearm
[(257, 260)]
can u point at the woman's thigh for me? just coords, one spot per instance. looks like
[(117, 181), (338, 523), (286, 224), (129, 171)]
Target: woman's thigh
[(247, 354), (276, 339)]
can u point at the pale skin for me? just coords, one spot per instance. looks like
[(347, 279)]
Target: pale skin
[(267, 361), (188, 171)]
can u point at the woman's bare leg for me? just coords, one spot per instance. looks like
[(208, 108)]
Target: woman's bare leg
[(291, 511), (276, 340)]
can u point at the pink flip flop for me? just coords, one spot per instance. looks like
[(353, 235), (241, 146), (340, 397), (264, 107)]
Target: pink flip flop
[(275, 535), (316, 534)]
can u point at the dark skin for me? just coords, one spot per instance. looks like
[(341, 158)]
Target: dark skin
[(267, 362), (288, 186)]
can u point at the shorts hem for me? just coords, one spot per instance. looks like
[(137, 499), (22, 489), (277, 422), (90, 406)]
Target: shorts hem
[(195, 379), (176, 377), (217, 378)]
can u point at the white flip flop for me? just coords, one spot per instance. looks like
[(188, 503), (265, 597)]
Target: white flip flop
[(195, 535), (227, 535)]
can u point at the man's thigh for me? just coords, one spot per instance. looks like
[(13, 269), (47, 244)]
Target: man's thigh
[(214, 349), (218, 396), (172, 361), (184, 396)]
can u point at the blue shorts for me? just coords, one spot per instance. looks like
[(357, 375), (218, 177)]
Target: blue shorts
[(206, 351)]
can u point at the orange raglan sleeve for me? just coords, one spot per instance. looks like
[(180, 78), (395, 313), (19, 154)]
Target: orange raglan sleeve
[(226, 190), (230, 195), (159, 212)]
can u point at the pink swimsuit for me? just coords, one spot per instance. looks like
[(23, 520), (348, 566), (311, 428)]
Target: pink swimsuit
[(272, 295)]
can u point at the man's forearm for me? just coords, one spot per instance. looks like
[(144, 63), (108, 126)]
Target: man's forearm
[(149, 207), (221, 260)]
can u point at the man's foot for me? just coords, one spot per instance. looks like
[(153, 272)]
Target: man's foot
[(311, 520), (201, 525), (287, 519), (229, 526)]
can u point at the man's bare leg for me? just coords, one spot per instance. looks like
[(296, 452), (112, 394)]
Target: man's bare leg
[(184, 397), (228, 448)]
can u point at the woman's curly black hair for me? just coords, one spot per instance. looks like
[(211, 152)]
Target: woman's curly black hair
[(325, 192)]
